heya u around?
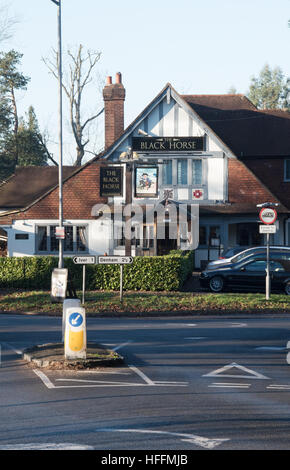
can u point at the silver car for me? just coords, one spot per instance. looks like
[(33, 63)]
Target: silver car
[(254, 251)]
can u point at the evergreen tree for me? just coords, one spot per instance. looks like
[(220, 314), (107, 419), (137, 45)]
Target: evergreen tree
[(269, 89)]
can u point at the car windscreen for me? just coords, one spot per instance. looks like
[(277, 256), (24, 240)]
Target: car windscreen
[(247, 253)]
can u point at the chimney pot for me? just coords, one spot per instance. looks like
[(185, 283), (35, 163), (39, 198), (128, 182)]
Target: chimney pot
[(118, 77), (109, 81)]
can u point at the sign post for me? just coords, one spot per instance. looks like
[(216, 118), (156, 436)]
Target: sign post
[(84, 260), (121, 260), (268, 216)]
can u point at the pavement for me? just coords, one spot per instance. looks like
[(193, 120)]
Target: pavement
[(52, 356)]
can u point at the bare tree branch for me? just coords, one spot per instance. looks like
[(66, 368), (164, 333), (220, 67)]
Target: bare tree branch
[(80, 68)]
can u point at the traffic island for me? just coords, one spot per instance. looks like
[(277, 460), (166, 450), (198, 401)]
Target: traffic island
[(51, 356)]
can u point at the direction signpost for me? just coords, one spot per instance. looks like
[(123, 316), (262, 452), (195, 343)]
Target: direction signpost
[(84, 260), (121, 260)]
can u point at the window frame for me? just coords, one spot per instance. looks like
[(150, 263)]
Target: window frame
[(49, 236)]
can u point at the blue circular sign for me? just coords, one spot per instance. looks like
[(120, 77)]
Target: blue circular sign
[(75, 319)]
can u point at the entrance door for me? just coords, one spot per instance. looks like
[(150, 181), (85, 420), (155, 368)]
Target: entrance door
[(164, 246)]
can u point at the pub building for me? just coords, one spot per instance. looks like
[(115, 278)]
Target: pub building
[(187, 173)]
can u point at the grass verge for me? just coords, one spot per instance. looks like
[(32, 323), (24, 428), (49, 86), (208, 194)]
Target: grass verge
[(97, 303)]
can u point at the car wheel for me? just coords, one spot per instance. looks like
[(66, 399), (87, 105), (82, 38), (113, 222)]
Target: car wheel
[(287, 288), (216, 284)]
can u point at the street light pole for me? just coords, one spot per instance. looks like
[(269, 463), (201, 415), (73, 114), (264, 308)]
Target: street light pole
[(60, 259)]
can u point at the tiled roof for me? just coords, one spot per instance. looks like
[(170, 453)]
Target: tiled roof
[(245, 130), (28, 184)]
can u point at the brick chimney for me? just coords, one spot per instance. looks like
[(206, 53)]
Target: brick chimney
[(114, 97)]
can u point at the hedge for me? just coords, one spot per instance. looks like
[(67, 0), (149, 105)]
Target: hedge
[(158, 273)]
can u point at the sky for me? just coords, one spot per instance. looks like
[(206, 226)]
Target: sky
[(198, 47)]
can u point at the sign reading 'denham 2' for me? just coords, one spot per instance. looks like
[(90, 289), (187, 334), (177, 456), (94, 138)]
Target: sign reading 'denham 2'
[(115, 259), (167, 144)]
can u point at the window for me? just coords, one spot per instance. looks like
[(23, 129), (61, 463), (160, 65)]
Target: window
[(182, 171), (75, 239), (287, 170), (197, 172), (256, 266), (202, 235), (275, 266), (167, 172)]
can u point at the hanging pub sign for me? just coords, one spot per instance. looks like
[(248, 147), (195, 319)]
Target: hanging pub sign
[(167, 144), (111, 181), (146, 181)]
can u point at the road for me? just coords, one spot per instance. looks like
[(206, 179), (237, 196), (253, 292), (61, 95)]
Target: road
[(188, 383)]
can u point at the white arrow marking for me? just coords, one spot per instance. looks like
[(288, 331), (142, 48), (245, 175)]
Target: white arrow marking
[(251, 373), (193, 439), (75, 320)]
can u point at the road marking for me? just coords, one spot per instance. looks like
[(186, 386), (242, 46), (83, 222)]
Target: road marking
[(192, 438), (271, 348), (196, 337), (228, 385), (44, 378), (46, 446), (122, 345), (251, 373), (17, 351), (238, 325), (141, 374), (102, 383), (278, 387)]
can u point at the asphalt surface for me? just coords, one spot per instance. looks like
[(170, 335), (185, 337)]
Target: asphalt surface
[(188, 383)]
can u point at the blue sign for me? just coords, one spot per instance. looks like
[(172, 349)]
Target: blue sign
[(75, 319)]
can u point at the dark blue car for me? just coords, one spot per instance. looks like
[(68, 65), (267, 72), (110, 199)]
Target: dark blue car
[(249, 274)]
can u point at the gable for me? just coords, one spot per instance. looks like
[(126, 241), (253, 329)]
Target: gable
[(168, 115)]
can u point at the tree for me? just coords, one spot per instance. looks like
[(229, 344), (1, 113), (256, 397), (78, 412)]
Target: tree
[(269, 89), (25, 143), (6, 23), (12, 80), (80, 70)]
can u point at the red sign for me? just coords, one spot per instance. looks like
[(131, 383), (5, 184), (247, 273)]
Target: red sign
[(268, 215), (59, 233)]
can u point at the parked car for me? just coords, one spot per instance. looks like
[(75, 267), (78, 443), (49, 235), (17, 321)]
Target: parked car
[(230, 252), (235, 258), (249, 273)]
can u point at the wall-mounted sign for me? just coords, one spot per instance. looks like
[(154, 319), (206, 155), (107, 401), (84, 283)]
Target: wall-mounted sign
[(111, 181), (146, 181), (197, 194), (167, 144)]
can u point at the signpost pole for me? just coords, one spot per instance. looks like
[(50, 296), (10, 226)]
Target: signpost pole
[(84, 283), (268, 268), (121, 283)]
